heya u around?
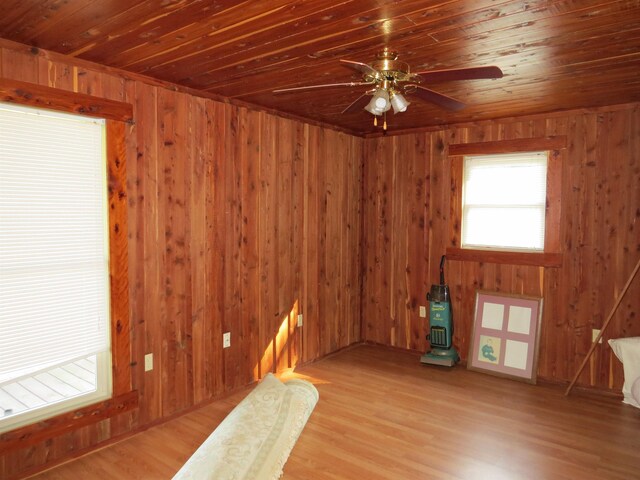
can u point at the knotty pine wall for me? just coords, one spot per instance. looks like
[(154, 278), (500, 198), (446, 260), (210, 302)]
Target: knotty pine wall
[(406, 230), (238, 221)]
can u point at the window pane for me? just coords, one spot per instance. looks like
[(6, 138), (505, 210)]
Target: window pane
[(504, 201), (53, 390), (504, 227), (515, 180), (54, 265)]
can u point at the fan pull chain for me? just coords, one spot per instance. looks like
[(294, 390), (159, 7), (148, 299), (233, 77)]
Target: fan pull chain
[(384, 125), (375, 121)]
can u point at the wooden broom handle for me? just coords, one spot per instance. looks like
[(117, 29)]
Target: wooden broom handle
[(606, 323)]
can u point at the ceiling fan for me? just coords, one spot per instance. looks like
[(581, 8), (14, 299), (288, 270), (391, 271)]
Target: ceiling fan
[(391, 79)]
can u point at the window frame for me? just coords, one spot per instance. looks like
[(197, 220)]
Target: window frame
[(551, 256), (117, 115)]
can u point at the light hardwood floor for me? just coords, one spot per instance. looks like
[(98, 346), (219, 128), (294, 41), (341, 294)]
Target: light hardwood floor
[(382, 415)]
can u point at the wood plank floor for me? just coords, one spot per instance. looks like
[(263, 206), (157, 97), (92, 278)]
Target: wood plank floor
[(382, 415)]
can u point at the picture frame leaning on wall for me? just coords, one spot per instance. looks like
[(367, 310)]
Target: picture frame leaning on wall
[(506, 335)]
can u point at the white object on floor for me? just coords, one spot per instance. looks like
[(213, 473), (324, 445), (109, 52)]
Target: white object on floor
[(628, 352), (635, 390), (254, 441)]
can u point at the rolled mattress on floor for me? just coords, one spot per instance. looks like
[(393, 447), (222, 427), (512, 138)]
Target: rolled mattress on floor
[(254, 441)]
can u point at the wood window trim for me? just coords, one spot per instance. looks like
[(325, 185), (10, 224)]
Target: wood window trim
[(552, 255), (38, 96), (123, 397), (34, 433)]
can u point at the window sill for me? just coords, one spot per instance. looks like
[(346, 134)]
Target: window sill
[(29, 435), (553, 260)]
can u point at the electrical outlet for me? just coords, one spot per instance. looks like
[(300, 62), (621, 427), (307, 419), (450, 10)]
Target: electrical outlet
[(594, 334), (226, 340), (423, 311), (148, 362), (299, 319)]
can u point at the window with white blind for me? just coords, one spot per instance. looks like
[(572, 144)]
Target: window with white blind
[(54, 264), (503, 201)]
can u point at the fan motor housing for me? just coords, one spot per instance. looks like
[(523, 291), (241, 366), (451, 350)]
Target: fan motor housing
[(389, 68), (392, 68)]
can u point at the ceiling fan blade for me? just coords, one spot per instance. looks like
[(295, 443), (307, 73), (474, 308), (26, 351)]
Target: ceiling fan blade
[(438, 98), (471, 73), (361, 67), (358, 104), (326, 85)]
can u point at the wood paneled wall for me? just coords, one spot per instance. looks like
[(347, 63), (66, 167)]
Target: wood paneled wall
[(238, 221), (406, 210)]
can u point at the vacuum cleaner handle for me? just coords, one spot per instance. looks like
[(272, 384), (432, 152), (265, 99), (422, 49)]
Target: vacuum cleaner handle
[(442, 270)]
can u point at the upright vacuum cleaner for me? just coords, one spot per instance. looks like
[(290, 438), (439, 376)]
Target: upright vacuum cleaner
[(440, 325)]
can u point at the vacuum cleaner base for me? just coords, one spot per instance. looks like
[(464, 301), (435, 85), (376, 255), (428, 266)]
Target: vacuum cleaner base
[(446, 358)]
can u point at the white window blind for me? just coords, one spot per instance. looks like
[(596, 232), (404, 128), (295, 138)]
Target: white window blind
[(54, 290), (504, 201)]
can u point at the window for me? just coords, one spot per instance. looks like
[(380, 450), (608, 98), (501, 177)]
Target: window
[(54, 264), (503, 201)]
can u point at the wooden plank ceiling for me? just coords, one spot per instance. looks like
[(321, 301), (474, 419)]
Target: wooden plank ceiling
[(555, 55)]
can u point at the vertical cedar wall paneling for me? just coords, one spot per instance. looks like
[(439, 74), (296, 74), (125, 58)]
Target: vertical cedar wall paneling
[(238, 221), (406, 209)]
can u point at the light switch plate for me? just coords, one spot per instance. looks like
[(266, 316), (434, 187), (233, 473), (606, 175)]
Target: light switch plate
[(148, 362), (594, 334), (423, 311), (226, 340)]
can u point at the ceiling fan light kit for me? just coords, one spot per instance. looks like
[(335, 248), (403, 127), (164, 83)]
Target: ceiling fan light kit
[(398, 102), (379, 103), (391, 78)]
